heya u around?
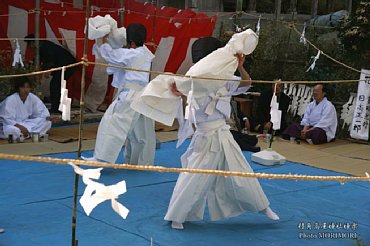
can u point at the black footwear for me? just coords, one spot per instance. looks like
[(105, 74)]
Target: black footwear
[(253, 149)]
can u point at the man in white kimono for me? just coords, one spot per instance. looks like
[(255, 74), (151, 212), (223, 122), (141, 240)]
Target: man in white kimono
[(319, 122), (120, 122), (212, 145), (23, 112)]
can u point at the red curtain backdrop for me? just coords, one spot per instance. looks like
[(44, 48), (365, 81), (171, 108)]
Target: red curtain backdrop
[(160, 23)]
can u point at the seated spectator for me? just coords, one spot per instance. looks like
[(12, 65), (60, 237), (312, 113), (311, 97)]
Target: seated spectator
[(23, 112), (238, 123), (319, 123), (262, 121)]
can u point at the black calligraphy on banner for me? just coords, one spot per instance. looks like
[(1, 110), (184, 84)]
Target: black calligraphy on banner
[(360, 122)]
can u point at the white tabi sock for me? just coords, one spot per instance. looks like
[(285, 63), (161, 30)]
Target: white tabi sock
[(269, 213), (177, 225)]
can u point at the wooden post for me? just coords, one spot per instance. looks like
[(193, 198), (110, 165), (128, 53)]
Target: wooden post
[(293, 6), (121, 14), (314, 6), (349, 6), (239, 5), (277, 9), (329, 6), (154, 19), (37, 36), (82, 109), (252, 6)]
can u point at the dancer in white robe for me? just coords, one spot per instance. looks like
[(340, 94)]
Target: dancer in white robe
[(120, 122), (212, 146), (23, 112)]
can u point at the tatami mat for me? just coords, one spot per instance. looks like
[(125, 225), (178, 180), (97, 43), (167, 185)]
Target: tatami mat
[(70, 133), (340, 155), (327, 156), (51, 147)]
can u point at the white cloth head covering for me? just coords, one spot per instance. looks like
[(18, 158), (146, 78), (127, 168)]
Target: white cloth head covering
[(157, 103), (100, 26), (244, 42), (221, 63), (117, 38)]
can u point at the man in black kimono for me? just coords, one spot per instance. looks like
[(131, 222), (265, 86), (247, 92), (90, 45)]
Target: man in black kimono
[(51, 56)]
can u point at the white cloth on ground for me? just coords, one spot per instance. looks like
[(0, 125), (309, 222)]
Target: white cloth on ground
[(32, 114), (322, 115)]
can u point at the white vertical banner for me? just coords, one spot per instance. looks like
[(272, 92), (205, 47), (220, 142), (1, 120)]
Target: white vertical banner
[(360, 121)]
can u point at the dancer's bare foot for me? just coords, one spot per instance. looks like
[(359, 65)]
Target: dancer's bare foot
[(2, 230), (269, 213), (177, 225)]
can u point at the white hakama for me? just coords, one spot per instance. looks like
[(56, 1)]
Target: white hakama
[(120, 122), (214, 148)]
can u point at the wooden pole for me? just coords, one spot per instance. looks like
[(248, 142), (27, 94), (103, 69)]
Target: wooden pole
[(239, 5), (314, 6), (252, 6), (329, 6), (82, 108), (37, 36), (293, 6), (277, 9), (121, 14), (154, 19), (349, 6)]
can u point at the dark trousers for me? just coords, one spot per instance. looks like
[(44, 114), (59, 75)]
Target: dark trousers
[(55, 84), (245, 141), (317, 135)]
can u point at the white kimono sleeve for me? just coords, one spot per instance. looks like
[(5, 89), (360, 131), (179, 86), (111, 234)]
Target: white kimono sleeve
[(117, 57), (305, 121), (39, 109), (7, 112), (157, 101)]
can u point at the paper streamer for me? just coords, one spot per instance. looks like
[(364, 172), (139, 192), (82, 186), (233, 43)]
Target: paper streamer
[(275, 112), (17, 58), (96, 193), (258, 26), (313, 64), (65, 101), (303, 38)]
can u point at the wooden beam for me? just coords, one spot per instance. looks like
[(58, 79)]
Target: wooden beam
[(314, 6)]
